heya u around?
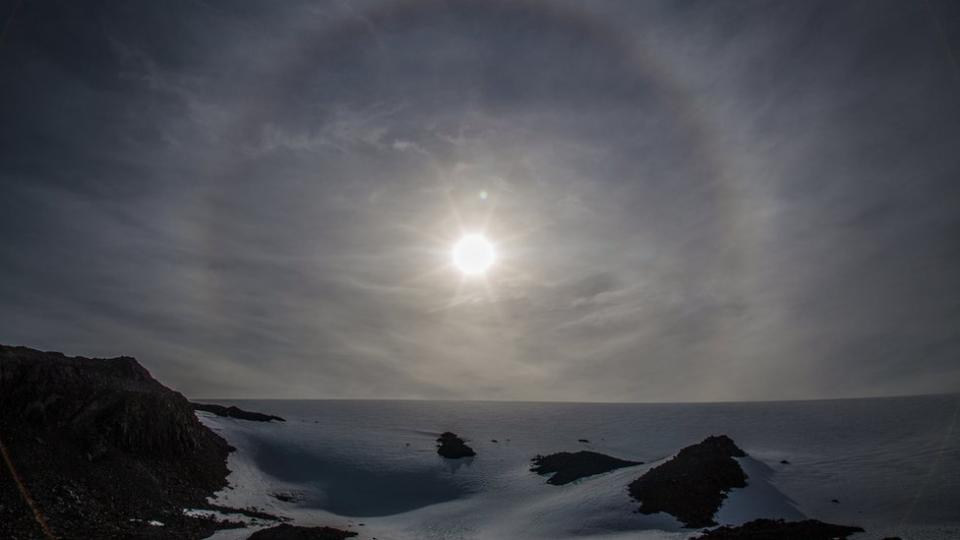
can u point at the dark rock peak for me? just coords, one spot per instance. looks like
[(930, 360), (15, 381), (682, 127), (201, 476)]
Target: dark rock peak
[(692, 485), (450, 446), (105, 447), (761, 529), (293, 532), (234, 412), (717, 444), (568, 467)]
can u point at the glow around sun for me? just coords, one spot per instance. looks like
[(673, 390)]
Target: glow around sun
[(473, 254)]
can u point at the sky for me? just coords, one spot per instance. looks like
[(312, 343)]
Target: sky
[(689, 200)]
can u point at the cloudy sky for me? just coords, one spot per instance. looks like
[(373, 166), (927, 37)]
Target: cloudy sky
[(689, 200)]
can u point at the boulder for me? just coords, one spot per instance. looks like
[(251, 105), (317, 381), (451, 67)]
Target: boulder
[(450, 446)]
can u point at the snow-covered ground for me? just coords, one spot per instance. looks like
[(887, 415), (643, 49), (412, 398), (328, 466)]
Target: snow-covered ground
[(371, 466)]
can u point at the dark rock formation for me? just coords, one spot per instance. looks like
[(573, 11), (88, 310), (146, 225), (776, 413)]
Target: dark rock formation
[(234, 412), (285, 497), (293, 532), (568, 467), (450, 446), (103, 449), (765, 529), (250, 511), (692, 485), (784, 462), (585, 441)]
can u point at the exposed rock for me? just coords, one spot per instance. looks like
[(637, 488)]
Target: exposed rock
[(285, 497), (450, 446), (103, 448), (234, 412), (250, 511), (765, 529), (784, 462), (294, 532), (585, 441), (692, 485), (568, 467)]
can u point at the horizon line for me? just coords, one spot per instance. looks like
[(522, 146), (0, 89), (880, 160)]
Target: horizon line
[(450, 400)]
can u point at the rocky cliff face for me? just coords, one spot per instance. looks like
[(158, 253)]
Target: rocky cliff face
[(102, 447), (104, 403)]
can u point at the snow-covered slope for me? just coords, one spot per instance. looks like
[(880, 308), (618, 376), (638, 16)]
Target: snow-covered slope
[(891, 463)]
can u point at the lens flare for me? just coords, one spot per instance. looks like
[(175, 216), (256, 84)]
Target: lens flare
[(473, 254)]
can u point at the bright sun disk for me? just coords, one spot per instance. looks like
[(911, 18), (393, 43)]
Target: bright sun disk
[(473, 254)]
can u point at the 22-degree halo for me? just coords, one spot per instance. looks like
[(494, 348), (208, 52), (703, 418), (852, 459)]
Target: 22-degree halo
[(473, 254)]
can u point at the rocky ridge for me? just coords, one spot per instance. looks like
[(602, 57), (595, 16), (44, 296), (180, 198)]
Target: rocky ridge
[(102, 449)]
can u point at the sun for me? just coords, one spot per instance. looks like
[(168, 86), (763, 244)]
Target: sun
[(473, 254)]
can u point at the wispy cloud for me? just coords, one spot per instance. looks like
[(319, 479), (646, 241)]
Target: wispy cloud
[(690, 202)]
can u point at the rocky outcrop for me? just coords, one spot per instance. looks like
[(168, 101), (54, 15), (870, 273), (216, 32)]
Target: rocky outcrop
[(567, 467), (761, 529), (103, 448), (693, 484), (450, 446), (235, 412), (293, 532), (103, 403)]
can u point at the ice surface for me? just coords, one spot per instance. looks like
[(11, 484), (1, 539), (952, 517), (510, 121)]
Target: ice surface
[(893, 464)]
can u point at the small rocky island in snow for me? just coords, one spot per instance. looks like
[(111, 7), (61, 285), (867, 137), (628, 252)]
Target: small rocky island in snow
[(567, 467), (693, 484), (450, 446)]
